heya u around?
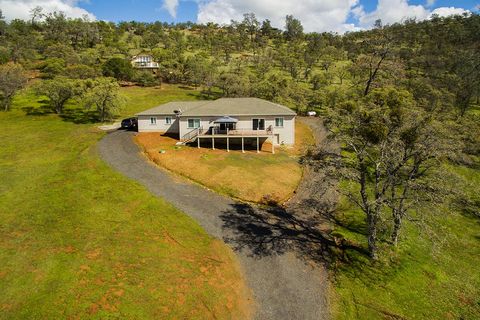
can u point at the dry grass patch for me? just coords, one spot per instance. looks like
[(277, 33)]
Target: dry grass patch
[(248, 176)]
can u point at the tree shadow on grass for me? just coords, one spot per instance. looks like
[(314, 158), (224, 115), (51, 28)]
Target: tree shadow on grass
[(42, 110), (185, 87), (75, 115), (276, 230), (204, 95), (37, 111), (80, 116)]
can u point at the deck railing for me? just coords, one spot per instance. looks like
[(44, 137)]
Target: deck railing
[(147, 65), (239, 132), (192, 134)]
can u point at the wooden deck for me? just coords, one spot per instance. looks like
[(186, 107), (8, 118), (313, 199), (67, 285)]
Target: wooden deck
[(252, 134), (238, 133), (196, 135)]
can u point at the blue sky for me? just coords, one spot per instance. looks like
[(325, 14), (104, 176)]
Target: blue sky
[(139, 10), (316, 15), (152, 10)]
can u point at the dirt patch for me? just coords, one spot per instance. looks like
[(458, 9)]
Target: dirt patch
[(251, 176), (94, 254)]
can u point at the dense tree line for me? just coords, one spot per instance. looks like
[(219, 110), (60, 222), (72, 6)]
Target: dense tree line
[(437, 58), (399, 98)]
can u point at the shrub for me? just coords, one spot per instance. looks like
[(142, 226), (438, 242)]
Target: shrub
[(146, 79), (118, 68)]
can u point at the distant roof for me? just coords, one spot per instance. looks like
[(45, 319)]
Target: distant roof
[(171, 107), (222, 107)]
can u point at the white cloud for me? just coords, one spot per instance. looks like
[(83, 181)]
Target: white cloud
[(316, 15), (20, 9), (391, 11), (171, 6), (449, 11)]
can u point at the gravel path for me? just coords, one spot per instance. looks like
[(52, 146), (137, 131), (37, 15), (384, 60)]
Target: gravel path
[(275, 249)]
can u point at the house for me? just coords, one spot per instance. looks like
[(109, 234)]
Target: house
[(144, 61), (245, 121)]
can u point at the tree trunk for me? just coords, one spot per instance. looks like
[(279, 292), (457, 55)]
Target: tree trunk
[(102, 114), (6, 103), (373, 74), (372, 234), (372, 216), (397, 224)]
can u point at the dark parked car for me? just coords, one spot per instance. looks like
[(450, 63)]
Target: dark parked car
[(129, 123)]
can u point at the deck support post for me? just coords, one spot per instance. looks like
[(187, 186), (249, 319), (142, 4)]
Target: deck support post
[(198, 142), (258, 145), (228, 144), (213, 143), (273, 146), (243, 143)]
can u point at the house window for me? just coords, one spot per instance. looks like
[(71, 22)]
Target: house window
[(168, 120), (153, 121), (193, 123), (279, 122), (258, 124)]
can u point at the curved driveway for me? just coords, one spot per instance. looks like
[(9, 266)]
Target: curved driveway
[(284, 281)]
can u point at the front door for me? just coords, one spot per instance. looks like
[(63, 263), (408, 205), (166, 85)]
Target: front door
[(258, 124)]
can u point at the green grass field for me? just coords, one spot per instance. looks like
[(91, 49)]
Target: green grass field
[(78, 240), (434, 274)]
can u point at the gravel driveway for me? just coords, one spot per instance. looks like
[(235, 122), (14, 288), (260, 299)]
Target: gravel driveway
[(286, 284)]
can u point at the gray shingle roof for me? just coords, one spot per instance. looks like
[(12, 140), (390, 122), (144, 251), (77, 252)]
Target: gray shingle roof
[(169, 108), (222, 107)]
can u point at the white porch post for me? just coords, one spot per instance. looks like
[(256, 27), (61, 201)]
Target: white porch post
[(198, 142), (228, 142), (258, 144), (213, 138), (273, 145), (243, 142)]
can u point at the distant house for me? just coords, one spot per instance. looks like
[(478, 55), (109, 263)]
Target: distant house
[(245, 121), (144, 61)]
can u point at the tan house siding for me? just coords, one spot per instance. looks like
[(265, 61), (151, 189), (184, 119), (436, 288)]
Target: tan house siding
[(145, 125)]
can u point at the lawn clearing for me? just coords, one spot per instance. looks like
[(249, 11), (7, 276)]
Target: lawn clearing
[(249, 176), (140, 99), (78, 240)]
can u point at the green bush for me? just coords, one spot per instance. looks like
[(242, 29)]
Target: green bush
[(146, 79), (119, 69), (4, 55), (52, 67)]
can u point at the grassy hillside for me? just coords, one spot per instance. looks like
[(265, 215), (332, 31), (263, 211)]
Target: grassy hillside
[(78, 240), (433, 275)]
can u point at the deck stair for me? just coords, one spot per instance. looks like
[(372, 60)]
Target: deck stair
[(190, 136)]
